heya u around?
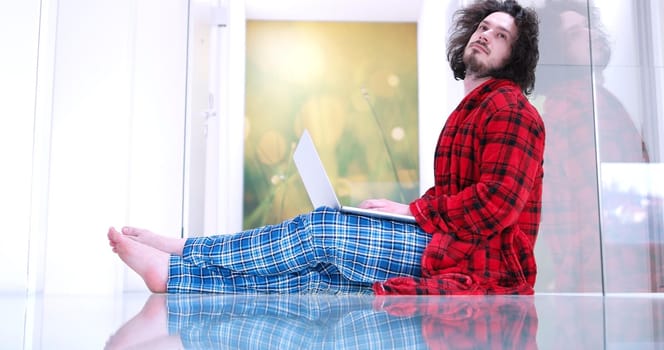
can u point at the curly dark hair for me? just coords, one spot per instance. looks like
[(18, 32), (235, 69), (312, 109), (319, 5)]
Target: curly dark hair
[(525, 52), (553, 53), (551, 25)]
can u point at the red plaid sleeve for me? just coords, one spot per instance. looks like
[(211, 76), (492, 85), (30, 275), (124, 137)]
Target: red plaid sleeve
[(495, 181)]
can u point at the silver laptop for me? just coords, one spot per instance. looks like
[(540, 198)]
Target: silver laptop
[(318, 184)]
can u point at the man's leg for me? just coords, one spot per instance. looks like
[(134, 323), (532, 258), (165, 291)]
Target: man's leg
[(362, 249), (157, 268), (185, 277)]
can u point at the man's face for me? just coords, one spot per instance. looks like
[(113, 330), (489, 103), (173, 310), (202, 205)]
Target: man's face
[(490, 46), (576, 37)]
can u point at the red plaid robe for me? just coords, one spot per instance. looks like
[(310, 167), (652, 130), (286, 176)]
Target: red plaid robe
[(484, 210)]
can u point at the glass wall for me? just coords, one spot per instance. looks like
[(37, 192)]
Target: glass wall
[(598, 84)]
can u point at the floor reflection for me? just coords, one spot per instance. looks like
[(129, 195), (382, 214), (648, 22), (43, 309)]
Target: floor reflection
[(329, 322)]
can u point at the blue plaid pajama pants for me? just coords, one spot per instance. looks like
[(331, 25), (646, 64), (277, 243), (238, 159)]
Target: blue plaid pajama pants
[(324, 251)]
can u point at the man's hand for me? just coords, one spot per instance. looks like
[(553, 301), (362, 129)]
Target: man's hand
[(386, 206)]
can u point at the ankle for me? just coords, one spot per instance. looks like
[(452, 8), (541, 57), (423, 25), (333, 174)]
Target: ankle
[(176, 246)]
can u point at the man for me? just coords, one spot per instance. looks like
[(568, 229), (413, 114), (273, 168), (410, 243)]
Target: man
[(586, 123), (476, 227)]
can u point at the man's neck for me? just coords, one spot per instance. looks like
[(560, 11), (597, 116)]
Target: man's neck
[(471, 81)]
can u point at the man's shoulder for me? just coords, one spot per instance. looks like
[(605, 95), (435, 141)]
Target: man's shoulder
[(506, 94), (506, 89), (508, 97)]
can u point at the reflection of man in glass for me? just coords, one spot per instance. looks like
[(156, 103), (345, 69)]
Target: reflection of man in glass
[(178, 321), (575, 52)]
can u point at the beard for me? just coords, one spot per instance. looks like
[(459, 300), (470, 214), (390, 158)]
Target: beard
[(479, 68), (475, 66)]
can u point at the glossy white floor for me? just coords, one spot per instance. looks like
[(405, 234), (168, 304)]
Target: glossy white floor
[(144, 321)]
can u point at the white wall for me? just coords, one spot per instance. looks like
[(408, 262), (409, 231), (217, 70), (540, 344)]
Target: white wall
[(230, 148), (109, 114), (17, 101), (117, 135), (199, 114), (19, 29), (438, 92)]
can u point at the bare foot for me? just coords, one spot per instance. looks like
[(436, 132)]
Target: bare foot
[(147, 237), (150, 263)]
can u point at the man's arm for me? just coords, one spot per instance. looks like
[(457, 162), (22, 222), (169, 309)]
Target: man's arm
[(512, 147)]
